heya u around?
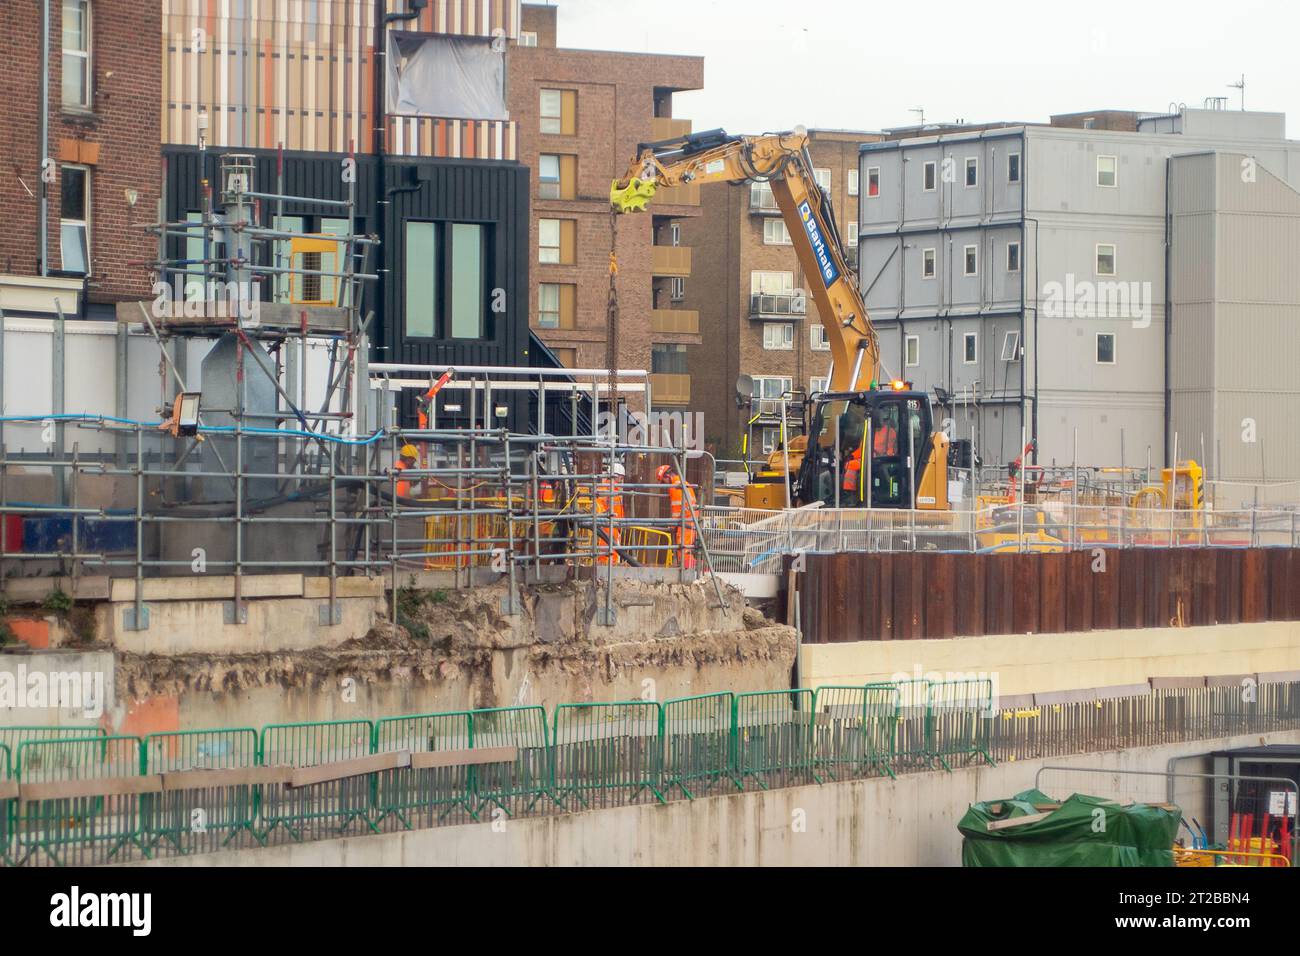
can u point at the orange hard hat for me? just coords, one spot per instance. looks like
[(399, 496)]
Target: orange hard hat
[(663, 471)]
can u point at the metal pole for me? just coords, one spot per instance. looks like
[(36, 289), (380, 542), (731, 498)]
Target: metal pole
[(139, 528), (1020, 512), (785, 447), (58, 388), (1173, 489), (1074, 502)]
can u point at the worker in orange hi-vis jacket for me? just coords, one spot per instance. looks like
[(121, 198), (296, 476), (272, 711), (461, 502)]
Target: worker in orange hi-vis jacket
[(678, 491), (884, 444), (407, 457), (609, 497)]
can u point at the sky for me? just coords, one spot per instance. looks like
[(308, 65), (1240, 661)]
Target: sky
[(775, 64)]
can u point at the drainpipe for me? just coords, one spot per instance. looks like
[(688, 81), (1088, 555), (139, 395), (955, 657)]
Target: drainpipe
[(1169, 314), (43, 229)]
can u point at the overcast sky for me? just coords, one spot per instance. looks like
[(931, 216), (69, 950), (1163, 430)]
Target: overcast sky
[(772, 64)]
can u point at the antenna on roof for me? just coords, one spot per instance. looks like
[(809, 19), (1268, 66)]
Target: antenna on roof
[(1240, 85), (920, 112)]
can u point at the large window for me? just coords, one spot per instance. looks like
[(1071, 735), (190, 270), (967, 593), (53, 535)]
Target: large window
[(775, 233), (559, 112), (771, 283), (668, 360), (557, 241), (770, 386), (817, 339), (77, 76), (556, 305), (823, 177), (446, 280), (74, 218), (778, 336)]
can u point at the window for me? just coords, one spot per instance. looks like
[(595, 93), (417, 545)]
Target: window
[(529, 39), (1013, 257), (556, 176), (769, 439), (675, 234), (77, 76), (972, 171), (556, 305), (761, 197), (1105, 259), (1105, 170), (823, 177), (74, 218), (421, 280), (851, 233), (873, 182), (668, 360), (927, 263), (771, 283), (556, 241), (928, 177), (775, 233), (770, 386), (853, 182), (446, 280), (969, 348), (818, 383), (778, 336), (913, 351), (559, 110), (1013, 167), (817, 339), (971, 262), (1105, 348), (677, 288), (1011, 347)]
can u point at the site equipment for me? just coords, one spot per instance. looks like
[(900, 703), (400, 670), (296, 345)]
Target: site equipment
[(907, 465)]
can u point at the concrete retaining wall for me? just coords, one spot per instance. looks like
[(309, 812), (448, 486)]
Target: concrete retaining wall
[(911, 821)]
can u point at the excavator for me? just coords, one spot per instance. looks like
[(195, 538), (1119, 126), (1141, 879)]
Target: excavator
[(870, 443)]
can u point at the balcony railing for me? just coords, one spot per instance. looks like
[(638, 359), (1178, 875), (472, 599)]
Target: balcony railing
[(675, 321), (668, 388), (782, 304), (670, 260), (761, 200)]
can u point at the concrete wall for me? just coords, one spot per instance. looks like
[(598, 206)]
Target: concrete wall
[(1041, 663), (911, 821)]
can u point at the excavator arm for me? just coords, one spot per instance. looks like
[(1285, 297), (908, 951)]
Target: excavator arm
[(782, 160)]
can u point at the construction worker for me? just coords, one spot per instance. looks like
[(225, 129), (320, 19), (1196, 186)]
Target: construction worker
[(609, 497), (884, 444), (678, 492), (407, 458)]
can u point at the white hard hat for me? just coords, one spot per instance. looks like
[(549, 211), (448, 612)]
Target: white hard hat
[(619, 469)]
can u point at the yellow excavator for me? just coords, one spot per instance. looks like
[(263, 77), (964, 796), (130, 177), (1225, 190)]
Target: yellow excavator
[(869, 443)]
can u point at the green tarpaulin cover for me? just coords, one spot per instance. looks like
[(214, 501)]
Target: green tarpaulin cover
[(1085, 831)]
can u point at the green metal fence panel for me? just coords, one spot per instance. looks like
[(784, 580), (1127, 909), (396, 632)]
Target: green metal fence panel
[(773, 737), (325, 809), (607, 754), (421, 798), (82, 831), (961, 714), (698, 740), (207, 818), (524, 785), (7, 808), (14, 737), (854, 730), (914, 744)]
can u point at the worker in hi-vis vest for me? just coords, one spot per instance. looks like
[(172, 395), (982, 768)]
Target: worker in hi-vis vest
[(678, 491), (407, 458)]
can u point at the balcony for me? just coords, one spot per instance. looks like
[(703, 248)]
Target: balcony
[(665, 127), (670, 261), (778, 305), (761, 200), (675, 321), (670, 389)]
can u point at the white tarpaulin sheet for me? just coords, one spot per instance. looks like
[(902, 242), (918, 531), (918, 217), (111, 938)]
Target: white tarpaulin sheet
[(453, 77)]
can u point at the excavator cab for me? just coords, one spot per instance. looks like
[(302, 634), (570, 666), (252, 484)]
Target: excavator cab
[(870, 449)]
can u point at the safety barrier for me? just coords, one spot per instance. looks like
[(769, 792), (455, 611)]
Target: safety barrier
[(95, 798)]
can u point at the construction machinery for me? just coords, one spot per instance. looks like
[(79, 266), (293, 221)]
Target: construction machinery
[(869, 442)]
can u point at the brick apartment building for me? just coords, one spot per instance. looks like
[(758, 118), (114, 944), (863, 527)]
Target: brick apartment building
[(581, 114), (102, 180), (754, 317)]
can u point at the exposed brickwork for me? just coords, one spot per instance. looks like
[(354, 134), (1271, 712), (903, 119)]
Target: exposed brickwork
[(616, 96), (729, 243), (123, 124)]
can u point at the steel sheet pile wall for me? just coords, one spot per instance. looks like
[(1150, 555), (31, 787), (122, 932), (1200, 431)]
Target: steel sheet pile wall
[(884, 597)]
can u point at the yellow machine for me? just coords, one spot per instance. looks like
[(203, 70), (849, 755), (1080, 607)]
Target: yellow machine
[(1184, 484), (868, 444)]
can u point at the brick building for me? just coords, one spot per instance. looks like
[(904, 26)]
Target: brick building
[(749, 294), (580, 116), (102, 179)]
